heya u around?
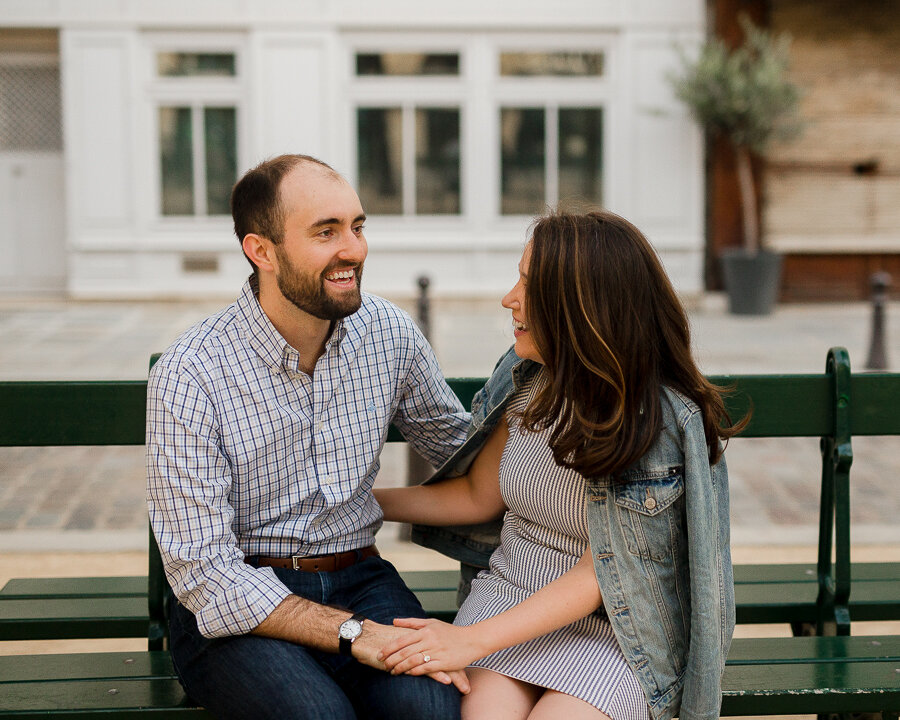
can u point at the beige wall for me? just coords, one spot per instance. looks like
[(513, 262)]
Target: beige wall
[(846, 57)]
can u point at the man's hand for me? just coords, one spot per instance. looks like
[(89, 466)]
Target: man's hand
[(376, 636)]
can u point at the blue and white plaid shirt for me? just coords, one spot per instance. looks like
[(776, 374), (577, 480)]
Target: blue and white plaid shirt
[(246, 455)]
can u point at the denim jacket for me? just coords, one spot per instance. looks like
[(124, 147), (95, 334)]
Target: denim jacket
[(660, 544)]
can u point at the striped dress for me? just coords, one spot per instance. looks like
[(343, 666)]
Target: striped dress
[(544, 534)]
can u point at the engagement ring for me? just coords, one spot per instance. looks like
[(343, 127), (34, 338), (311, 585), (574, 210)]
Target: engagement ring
[(426, 658)]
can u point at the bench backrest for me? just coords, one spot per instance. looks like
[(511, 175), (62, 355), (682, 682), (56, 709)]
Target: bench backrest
[(35, 413)]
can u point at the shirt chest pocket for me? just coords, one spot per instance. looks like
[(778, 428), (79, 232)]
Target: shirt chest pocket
[(650, 511)]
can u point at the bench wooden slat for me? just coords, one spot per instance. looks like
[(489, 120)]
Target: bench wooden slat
[(805, 688), (755, 651), (67, 608), (68, 618), (73, 413), (417, 580), (86, 666), (800, 675), (766, 676), (75, 587), (783, 405), (806, 572), (795, 602), (127, 698), (874, 399)]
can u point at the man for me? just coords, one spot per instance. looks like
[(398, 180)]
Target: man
[(264, 428)]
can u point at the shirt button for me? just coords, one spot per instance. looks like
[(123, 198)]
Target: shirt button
[(650, 503), (329, 480)]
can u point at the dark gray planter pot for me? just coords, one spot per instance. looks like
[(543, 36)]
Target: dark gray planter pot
[(751, 281)]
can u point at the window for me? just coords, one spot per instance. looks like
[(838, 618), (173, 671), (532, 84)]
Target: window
[(408, 160), (550, 150), (181, 64), (549, 155), (30, 115), (486, 126), (198, 159), (408, 155), (551, 64), (196, 118), (407, 64)]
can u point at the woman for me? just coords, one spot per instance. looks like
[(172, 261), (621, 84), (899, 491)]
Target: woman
[(611, 592)]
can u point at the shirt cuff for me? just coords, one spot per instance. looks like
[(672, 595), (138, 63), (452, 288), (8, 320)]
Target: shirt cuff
[(241, 606)]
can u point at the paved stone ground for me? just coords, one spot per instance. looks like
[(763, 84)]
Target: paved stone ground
[(93, 499)]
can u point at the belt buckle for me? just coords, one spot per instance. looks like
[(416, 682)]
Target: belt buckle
[(295, 561)]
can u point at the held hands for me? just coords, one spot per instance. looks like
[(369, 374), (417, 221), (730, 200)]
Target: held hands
[(375, 636), (434, 646)]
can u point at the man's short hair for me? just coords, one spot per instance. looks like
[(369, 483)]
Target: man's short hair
[(256, 205)]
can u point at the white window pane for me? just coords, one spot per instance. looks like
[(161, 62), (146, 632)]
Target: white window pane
[(407, 64), (221, 158), (551, 64), (522, 186), (380, 159), (187, 64), (437, 162), (580, 155), (176, 161)]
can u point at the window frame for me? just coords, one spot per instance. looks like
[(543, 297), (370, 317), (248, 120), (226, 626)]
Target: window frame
[(408, 166), (554, 92), (198, 93), (408, 93), (480, 92)]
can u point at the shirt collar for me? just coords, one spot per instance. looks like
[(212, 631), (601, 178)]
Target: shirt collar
[(265, 340)]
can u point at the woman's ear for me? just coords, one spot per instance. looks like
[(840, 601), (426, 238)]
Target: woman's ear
[(260, 251)]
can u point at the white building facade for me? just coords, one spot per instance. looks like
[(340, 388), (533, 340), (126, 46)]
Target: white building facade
[(458, 123)]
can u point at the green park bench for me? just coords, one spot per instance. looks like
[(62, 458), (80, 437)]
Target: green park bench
[(830, 672)]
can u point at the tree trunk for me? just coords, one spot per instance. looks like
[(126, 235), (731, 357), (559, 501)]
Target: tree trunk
[(748, 200)]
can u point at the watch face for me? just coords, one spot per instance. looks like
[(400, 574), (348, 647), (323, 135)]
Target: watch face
[(350, 629)]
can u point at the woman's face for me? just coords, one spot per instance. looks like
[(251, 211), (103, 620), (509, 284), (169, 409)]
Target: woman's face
[(515, 301)]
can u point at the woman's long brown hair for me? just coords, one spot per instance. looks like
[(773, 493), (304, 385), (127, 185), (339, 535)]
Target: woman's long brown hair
[(611, 331)]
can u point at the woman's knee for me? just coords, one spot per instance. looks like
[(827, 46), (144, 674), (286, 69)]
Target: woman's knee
[(498, 697)]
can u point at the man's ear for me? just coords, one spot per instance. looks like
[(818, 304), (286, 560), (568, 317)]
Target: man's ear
[(260, 251)]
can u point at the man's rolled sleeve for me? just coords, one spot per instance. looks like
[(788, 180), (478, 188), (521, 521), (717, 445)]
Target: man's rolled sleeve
[(188, 480)]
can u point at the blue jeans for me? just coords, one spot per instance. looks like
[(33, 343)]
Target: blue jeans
[(248, 676)]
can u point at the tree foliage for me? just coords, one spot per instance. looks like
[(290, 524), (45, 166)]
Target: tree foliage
[(745, 93)]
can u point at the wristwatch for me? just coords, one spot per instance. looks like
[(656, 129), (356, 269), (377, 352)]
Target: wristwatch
[(348, 632)]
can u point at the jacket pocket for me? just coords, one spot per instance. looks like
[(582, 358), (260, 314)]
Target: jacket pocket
[(650, 510)]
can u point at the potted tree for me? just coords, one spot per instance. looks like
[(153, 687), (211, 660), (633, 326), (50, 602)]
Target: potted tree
[(744, 94)]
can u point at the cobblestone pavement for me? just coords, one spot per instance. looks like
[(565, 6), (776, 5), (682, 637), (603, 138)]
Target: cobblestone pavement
[(93, 499)]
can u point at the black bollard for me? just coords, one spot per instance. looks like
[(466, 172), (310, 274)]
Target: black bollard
[(418, 468), (880, 282)]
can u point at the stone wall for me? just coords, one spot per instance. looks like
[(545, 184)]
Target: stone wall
[(837, 188)]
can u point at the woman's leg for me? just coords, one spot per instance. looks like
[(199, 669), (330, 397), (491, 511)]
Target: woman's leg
[(554, 705), (497, 697)]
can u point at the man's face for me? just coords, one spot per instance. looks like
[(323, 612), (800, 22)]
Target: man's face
[(320, 260)]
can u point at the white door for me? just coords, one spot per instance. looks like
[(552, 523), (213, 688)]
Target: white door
[(32, 200)]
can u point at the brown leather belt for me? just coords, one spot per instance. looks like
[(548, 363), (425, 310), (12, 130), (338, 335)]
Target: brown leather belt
[(317, 563)]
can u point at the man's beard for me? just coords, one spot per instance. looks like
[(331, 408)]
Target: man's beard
[(308, 293)]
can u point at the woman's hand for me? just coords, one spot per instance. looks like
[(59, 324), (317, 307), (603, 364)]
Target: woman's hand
[(435, 646)]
